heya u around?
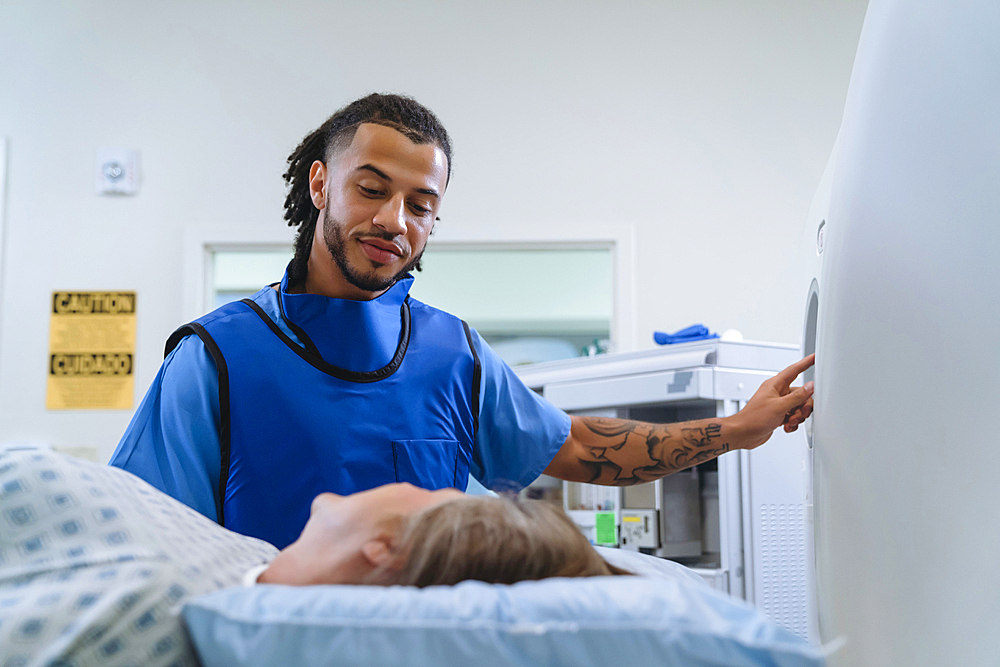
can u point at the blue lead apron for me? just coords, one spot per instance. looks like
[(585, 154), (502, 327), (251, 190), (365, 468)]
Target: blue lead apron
[(293, 425)]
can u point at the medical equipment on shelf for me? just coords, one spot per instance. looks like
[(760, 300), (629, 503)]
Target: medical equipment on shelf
[(739, 521)]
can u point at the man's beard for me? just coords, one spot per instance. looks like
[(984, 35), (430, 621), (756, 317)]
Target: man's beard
[(333, 234)]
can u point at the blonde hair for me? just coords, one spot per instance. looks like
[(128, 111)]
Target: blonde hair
[(495, 540)]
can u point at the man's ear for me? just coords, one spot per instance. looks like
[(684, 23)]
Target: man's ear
[(317, 184)]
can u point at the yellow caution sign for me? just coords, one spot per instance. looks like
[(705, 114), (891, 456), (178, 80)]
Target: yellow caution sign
[(91, 351)]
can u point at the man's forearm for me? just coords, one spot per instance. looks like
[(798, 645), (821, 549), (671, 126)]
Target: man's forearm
[(621, 452)]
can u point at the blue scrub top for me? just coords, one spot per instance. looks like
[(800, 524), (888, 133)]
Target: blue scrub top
[(173, 441)]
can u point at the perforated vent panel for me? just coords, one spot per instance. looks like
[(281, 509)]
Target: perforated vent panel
[(782, 583)]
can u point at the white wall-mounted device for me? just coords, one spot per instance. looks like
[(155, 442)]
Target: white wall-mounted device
[(117, 171)]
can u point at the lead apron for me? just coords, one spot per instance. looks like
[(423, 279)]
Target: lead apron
[(293, 426)]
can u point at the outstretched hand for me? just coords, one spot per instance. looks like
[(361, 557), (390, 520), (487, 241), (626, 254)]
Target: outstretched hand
[(776, 403)]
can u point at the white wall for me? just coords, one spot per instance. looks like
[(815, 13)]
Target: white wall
[(706, 124)]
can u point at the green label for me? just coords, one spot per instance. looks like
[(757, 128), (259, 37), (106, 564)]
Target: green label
[(604, 528)]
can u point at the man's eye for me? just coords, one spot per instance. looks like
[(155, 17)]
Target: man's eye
[(369, 191), (417, 208)]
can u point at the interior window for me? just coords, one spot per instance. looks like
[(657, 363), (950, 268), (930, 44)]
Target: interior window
[(237, 274)]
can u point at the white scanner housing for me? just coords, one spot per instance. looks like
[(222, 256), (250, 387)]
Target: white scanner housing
[(905, 441)]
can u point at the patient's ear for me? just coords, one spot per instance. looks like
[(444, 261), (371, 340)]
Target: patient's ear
[(378, 551)]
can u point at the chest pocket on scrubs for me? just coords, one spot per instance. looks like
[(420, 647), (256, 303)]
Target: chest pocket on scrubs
[(431, 464)]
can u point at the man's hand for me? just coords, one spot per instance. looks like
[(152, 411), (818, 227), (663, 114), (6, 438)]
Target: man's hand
[(776, 403)]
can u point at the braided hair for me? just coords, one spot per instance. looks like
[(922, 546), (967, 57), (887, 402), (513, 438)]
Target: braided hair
[(403, 114)]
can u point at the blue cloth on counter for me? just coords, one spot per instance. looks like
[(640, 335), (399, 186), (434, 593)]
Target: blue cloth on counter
[(691, 333)]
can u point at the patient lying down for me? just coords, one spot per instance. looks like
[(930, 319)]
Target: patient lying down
[(95, 564), (401, 534)]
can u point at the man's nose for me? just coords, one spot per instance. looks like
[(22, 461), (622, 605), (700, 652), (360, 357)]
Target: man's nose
[(392, 216)]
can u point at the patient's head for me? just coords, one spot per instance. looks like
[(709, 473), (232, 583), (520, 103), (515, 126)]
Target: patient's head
[(490, 539), (401, 534)]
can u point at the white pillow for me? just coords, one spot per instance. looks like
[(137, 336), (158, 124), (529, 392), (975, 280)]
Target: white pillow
[(673, 618)]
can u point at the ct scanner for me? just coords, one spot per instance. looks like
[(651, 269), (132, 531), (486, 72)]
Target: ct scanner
[(906, 325)]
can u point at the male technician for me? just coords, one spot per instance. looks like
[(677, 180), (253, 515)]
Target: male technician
[(335, 380)]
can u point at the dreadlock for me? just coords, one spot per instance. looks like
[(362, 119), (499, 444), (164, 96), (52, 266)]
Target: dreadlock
[(403, 114)]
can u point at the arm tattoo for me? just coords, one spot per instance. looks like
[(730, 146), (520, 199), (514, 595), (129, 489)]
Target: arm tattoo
[(624, 452)]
